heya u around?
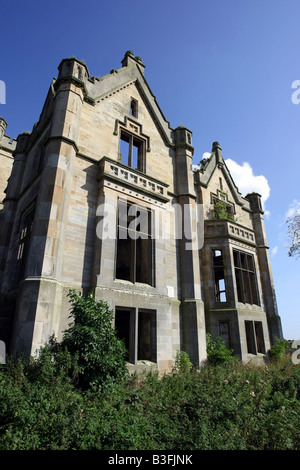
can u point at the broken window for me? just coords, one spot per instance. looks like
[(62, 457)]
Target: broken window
[(255, 337), (138, 331), (219, 276), (24, 240), (135, 246), (132, 151), (245, 275), (222, 208)]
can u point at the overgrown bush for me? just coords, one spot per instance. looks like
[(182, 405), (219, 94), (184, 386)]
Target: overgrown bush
[(48, 403), (278, 349), (217, 353), (91, 339), (230, 406), (182, 362), (221, 211), (38, 406)]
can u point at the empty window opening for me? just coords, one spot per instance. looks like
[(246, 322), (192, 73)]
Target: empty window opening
[(122, 326), (250, 337), (124, 149), (132, 151), (259, 335), (219, 276), (138, 331), (135, 245), (255, 337), (147, 336), (245, 275), (135, 155)]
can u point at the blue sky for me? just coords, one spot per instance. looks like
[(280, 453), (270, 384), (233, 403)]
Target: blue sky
[(222, 68)]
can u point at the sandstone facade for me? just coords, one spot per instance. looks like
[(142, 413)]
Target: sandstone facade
[(102, 147)]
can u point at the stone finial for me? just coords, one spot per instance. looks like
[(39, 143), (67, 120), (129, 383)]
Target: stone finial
[(129, 59), (216, 148)]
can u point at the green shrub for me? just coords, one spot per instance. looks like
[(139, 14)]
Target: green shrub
[(221, 212), (225, 405), (182, 362), (229, 406), (278, 349), (217, 353), (92, 339), (39, 408)]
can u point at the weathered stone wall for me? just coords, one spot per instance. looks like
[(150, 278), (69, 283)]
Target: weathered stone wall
[(70, 165), (99, 135)]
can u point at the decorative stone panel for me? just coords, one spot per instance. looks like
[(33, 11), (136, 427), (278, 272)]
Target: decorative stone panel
[(132, 179), (225, 228)]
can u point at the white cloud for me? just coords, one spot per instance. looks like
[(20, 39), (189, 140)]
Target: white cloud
[(293, 209), (247, 182), (274, 250), (206, 155)]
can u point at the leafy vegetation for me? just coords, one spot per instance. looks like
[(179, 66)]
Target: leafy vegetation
[(182, 362), (226, 406), (221, 211), (91, 339), (278, 349), (47, 403), (217, 353), (293, 232)]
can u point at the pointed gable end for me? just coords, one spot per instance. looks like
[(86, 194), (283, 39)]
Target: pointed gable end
[(131, 73), (209, 166)]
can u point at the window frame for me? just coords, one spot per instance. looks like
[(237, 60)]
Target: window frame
[(246, 278), (134, 142), (255, 337), (218, 275), (137, 240), (134, 338)]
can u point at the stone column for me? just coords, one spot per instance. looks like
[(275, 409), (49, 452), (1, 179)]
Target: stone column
[(266, 276), (192, 307), (36, 321)]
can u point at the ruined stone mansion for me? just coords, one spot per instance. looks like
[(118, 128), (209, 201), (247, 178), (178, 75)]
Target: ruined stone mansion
[(102, 147)]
